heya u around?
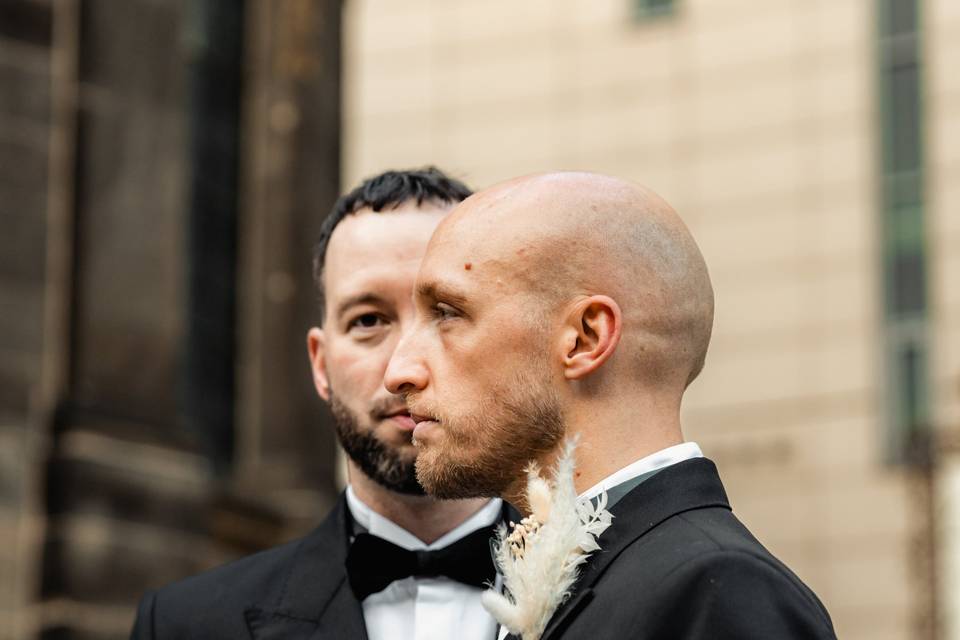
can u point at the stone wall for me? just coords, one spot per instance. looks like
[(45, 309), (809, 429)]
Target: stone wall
[(121, 141), (26, 36)]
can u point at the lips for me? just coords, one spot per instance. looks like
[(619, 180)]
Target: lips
[(422, 424), (402, 420)]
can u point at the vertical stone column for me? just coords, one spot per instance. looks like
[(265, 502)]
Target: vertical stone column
[(291, 170), (36, 58)]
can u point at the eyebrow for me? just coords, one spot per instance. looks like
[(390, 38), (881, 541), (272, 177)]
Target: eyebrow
[(358, 299), (434, 290)]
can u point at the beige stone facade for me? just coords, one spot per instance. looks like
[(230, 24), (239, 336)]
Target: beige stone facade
[(758, 121), (943, 156)]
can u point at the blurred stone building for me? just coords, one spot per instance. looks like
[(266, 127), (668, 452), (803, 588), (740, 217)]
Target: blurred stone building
[(164, 167), (814, 149)]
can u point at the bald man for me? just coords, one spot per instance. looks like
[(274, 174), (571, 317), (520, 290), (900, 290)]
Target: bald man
[(576, 304)]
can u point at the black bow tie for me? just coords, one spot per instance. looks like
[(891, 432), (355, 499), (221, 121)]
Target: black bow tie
[(373, 563)]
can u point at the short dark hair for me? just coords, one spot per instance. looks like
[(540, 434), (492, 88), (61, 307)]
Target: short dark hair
[(385, 191)]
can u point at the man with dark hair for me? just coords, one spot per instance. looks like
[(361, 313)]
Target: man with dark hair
[(386, 191), (389, 561)]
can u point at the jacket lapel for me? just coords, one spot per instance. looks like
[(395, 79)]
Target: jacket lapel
[(692, 484), (315, 600), (343, 617)]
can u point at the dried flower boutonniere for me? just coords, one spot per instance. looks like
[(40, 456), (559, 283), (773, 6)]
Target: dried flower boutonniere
[(540, 558)]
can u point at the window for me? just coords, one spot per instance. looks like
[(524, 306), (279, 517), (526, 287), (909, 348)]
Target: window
[(644, 9), (902, 228)]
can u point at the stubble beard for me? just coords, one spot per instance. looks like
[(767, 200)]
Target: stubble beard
[(378, 460), (486, 452)]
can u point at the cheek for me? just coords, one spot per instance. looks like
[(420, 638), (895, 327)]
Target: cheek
[(502, 340), (464, 367), (353, 369)]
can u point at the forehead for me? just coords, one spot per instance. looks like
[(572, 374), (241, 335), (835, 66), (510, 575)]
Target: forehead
[(478, 254), (370, 245), (498, 226)]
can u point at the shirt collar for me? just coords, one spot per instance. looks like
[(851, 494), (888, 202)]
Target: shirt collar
[(377, 525), (653, 462)]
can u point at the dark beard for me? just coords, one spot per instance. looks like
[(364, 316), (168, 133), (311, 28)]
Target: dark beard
[(378, 461)]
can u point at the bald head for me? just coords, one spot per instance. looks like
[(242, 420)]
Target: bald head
[(562, 235)]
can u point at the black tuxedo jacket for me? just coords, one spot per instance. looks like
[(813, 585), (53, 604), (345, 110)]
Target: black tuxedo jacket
[(295, 591), (676, 564)]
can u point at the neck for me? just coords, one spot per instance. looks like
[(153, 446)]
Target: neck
[(610, 438), (425, 517), (616, 434)]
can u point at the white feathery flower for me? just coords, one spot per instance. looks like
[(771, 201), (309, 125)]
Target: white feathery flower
[(540, 558)]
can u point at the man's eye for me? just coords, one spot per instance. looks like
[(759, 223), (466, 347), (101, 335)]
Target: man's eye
[(365, 321), (443, 311)]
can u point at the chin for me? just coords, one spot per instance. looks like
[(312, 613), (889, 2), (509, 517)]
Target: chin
[(442, 476), (434, 473), (395, 437)]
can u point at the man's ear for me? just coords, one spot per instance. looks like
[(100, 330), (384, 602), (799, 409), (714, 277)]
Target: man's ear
[(591, 335), (316, 350)]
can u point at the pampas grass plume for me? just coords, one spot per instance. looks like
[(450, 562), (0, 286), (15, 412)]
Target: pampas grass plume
[(540, 559)]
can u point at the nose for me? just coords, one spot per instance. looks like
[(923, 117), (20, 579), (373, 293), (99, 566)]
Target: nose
[(406, 371)]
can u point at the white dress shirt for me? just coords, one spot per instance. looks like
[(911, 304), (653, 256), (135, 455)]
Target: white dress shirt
[(424, 608), (653, 462)]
